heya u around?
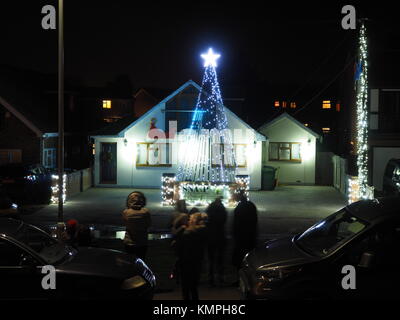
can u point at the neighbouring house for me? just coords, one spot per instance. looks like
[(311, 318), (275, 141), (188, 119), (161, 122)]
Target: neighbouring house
[(384, 131), (28, 121), (127, 156), (291, 148)]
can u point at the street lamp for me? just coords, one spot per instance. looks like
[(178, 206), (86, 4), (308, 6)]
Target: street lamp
[(60, 220)]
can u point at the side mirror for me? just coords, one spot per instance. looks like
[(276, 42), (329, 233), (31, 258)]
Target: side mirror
[(367, 260)]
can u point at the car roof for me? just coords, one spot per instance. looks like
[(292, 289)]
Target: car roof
[(372, 210), (9, 226)]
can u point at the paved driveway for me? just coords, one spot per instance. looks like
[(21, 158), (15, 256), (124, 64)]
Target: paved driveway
[(286, 210)]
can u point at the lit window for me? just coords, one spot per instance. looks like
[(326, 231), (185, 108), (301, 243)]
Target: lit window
[(326, 104), (293, 105), (153, 154), (326, 130), (276, 104), (285, 151), (283, 104), (338, 106), (106, 104)]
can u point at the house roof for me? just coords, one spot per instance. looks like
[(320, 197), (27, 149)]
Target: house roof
[(285, 115), (21, 93), (106, 132)]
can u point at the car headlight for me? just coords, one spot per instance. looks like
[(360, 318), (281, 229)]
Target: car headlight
[(276, 273), (133, 283)]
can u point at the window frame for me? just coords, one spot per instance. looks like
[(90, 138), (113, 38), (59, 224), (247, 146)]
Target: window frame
[(214, 165), (169, 152), (291, 159)]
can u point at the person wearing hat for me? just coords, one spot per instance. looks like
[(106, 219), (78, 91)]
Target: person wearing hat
[(137, 220)]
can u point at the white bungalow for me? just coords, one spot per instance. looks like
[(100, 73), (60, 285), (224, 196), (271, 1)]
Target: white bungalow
[(129, 154), (291, 148)]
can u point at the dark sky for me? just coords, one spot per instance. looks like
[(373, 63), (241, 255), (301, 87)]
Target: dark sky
[(274, 45)]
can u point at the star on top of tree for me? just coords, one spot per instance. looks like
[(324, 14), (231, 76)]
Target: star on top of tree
[(210, 58)]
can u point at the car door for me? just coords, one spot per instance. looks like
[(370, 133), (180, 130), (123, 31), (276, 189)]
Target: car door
[(20, 275), (375, 257)]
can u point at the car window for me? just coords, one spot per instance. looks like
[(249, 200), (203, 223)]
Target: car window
[(43, 244), (383, 242), (330, 233), (10, 254)]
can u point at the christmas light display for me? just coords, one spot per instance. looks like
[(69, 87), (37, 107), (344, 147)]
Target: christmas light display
[(54, 188), (362, 114), (168, 189), (206, 147)]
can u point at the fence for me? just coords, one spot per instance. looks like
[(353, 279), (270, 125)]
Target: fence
[(340, 176), (79, 181)]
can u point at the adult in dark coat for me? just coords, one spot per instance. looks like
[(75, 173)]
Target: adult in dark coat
[(244, 229), (216, 240), (190, 245)]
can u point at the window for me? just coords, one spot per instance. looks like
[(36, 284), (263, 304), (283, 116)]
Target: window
[(240, 155), (326, 130), (338, 107), (285, 151), (276, 104), (283, 104), (10, 254), (293, 105), (326, 104), (10, 156), (106, 104), (153, 154), (49, 158)]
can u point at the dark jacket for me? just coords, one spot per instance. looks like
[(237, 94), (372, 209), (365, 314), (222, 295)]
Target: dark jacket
[(190, 244), (216, 223), (245, 224)]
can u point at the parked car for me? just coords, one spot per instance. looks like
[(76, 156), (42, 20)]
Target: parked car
[(8, 209), (26, 183), (87, 273), (391, 178), (365, 235)]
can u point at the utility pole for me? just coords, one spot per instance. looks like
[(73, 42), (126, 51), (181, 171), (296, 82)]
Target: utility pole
[(60, 220)]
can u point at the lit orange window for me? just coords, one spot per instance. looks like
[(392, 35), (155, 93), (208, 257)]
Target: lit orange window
[(338, 106), (276, 104), (326, 104), (283, 104), (326, 130), (293, 105), (106, 104)]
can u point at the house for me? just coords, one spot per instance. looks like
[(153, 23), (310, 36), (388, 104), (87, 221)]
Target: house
[(291, 147), (384, 131), (126, 155), (29, 125)]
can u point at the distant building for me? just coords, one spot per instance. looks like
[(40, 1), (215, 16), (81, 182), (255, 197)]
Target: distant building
[(384, 131)]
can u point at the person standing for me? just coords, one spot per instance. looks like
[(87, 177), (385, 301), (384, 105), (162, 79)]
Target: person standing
[(216, 240), (190, 245), (137, 220), (244, 229)]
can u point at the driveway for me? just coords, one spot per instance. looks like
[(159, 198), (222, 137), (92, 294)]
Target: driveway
[(286, 210)]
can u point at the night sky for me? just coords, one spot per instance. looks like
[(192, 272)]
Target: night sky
[(262, 47)]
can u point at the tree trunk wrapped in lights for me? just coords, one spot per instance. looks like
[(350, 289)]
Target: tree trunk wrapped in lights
[(362, 114)]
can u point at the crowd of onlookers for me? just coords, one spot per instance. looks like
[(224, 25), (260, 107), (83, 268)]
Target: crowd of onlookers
[(195, 235)]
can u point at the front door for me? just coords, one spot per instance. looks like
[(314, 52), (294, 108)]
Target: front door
[(108, 163)]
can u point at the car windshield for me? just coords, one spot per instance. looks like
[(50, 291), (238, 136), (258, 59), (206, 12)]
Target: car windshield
[(46, 247), (327, 235)]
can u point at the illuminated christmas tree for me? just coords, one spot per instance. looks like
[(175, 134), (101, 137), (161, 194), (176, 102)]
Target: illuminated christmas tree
[(206, 147), (362, 114)]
